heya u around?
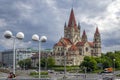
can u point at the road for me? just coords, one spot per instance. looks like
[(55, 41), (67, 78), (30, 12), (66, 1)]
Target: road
[(23, 74)]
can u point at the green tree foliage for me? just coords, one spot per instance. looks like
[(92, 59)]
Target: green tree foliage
[(49, 62), (26, 63), (105, 61), (89, 63), (21, 63), (43, 62)]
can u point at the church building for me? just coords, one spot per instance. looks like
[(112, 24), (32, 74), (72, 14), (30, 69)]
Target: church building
[(73, 47)]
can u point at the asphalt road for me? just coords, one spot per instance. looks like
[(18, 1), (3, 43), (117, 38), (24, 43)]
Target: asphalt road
[(54, 76)]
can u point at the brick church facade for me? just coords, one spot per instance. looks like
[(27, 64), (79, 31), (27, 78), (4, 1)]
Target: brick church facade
[(74, 47)]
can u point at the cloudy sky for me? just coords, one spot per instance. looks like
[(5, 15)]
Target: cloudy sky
[(47, 17)]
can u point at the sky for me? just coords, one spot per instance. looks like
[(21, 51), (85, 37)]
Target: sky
[(47, 17)]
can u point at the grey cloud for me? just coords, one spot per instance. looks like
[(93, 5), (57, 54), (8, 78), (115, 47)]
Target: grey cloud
[(47, 17)]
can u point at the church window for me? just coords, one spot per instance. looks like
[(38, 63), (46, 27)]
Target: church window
[(91, 51), (95, 39), (95, 45), (80, 50), (87, 49), (80, 53)]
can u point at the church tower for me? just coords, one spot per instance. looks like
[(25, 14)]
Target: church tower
[(72, 31), (97, 43), (74, 47), (84, 37)]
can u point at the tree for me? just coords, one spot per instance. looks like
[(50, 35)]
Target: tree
[(51, 62), (106, 64), (21, 63), (43, 61), (89, 63), (26, 63)]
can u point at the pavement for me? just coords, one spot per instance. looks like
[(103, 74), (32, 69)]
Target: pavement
[(3, 75), (23, 74), (19, 75)]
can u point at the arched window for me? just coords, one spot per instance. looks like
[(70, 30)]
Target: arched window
[(87, 49)]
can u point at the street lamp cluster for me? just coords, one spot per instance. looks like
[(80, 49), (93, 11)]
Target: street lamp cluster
[(35, 37), (8, 34), (20, 36)]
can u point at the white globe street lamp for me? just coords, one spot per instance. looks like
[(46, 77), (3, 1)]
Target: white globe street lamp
[(8, 34), (35, 37)]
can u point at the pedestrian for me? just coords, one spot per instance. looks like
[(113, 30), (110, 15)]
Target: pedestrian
[(11, 75)]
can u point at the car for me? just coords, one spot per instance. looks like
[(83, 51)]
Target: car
[(50, 71), (104, 72), (108, 78), (61, 72)]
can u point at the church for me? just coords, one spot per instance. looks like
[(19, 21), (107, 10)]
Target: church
[(73, 47)]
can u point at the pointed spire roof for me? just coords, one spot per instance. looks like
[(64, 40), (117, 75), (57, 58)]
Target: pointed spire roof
[(84, 33), (79, 25), (97, 31), (72, 21), (65, 24), (84, 36)]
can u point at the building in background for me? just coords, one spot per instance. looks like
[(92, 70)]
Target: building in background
[(7, 58), (74, 45), (21, 53), (44, 54)]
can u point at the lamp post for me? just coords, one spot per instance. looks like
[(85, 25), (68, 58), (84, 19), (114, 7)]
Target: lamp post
[(35, 37), (65, 65), (114, 66), (8, 34), (85, 68)]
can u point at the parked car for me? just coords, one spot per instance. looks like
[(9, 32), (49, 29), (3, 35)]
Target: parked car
[(50, 71)]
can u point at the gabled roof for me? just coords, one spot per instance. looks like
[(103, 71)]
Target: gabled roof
[(73, 48), (91, 44), (67, 41), (59, 44), (63, 42), (80, 43)]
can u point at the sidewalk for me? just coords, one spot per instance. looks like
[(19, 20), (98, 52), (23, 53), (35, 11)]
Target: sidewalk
[(20, 75), (3, 75)]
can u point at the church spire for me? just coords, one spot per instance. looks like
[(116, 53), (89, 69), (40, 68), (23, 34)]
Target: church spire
[(65, 25), (97, 31), (72, 21), (84, 36), (79, 25)]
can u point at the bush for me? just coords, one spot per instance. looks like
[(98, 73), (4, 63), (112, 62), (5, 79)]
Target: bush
[(68, 68), (33, 73), (36, 74), (118, 75), (44, 73), (4, 70)]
